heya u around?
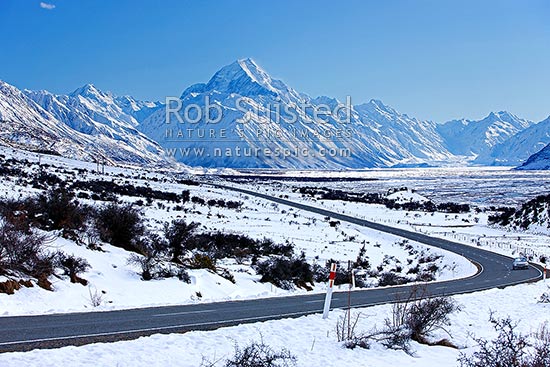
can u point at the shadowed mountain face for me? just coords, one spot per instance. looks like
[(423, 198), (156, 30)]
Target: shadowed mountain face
[(538, 161)]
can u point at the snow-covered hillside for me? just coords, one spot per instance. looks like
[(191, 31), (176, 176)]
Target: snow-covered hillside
[(538, 161), (518, 148), (119, 282), (314, 339), (533, 216), (86, 124), (470, 137)]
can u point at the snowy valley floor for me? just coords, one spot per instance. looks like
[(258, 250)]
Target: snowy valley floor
[(311, 339), (119, 282)]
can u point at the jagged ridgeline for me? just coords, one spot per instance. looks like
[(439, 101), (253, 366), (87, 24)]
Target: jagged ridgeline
[(263, 123)]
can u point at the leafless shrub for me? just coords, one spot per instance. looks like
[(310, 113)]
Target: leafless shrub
[(23, 253), (260, 355), (421, 315), (426, 316), (178, 234), (414, 318), (121, 226), (510, 348), (148, 265), (389, 336), (545, 297), (256, 354), (96, 298), (90, 237), (541, 346), (345, 326), (72, 266), (395, 336)]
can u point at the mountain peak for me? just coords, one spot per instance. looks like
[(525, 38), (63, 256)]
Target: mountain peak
[(250, 67), (377, 106), (247, 65), (246, 78), (238, 70), (88, 90), (6, 86), (502, 115)]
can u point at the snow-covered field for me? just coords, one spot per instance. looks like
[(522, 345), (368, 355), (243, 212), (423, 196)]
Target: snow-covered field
[(119, 283), (313, 339), (470, 228)]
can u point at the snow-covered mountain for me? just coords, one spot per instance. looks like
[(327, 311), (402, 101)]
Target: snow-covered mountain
[(519, 147), (251, 133), (256, 121), (412, 138), (92, 112), (139, 110), (538, 161), (477, 138), (25, 124), (86, 124)]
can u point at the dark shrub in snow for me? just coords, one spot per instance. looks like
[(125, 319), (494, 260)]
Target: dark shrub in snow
[(286, 273), (121, 226)]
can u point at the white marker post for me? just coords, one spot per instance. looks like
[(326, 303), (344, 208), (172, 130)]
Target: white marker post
[(328, 297)]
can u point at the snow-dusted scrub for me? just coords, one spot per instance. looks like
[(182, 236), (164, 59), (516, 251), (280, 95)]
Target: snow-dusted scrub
[(532, 215), (121, 226), (23, 255), (413, 319), (160, 238), (286, 273), (256, 354), (480, 188), (510, 348)]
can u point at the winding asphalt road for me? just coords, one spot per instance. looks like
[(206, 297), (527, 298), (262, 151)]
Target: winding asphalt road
[(51, 331)]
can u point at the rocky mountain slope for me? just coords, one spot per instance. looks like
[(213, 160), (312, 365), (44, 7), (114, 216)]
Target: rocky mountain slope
[(86, 124)]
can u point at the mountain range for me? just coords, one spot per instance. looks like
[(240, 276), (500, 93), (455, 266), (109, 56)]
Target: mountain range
[(260, 122), (87, 124)]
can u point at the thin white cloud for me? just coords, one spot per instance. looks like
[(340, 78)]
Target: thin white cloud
[(47, 6)]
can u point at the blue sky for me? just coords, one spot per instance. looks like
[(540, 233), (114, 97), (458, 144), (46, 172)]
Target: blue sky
[(434, 60)]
